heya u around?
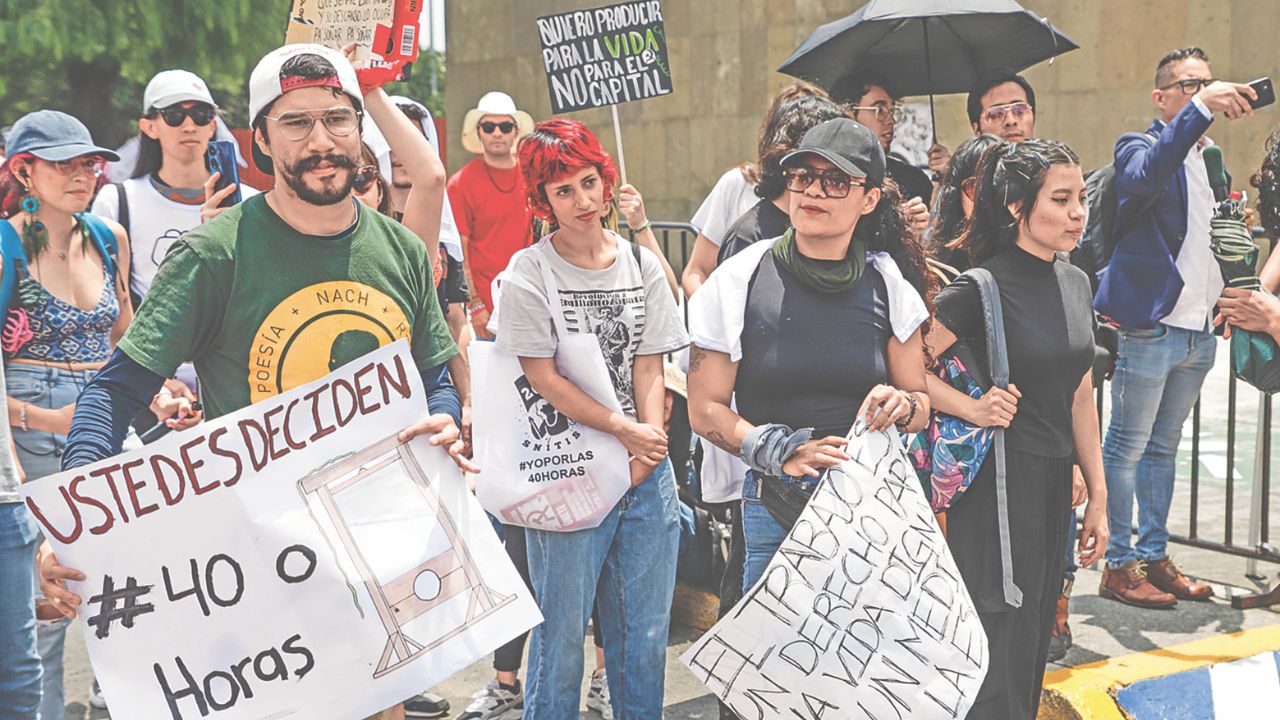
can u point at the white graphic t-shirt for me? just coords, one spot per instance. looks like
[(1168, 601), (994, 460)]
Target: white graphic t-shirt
[(629, 308), (155, 224)]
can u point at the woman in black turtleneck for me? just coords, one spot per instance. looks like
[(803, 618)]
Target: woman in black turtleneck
[(1029, 207)]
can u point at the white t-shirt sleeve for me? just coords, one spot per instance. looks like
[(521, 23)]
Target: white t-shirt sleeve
[(107, 204), (731, 196), (907, 310), (524, 323), (717, 311)]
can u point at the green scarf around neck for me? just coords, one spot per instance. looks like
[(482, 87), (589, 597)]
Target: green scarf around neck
[(827, 276)]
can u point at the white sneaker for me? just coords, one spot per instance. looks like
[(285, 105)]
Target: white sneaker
[(598, 695), (493, 702), (95, 697)]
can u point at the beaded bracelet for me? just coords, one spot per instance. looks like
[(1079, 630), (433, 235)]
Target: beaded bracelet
[(911, 398)]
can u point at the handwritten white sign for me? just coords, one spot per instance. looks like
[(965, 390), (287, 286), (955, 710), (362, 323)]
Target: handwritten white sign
[(293, 559), (860, 614)]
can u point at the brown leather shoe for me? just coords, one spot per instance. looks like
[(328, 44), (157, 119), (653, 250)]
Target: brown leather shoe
[(1128, 584), (1165, 575)]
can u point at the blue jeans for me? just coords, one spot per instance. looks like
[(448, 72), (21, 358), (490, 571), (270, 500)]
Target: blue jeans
[(628, 566), (19, 660), (1155, 386), (41, 454), (762, 535)]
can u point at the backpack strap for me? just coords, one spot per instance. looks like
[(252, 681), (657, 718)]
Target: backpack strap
[(104, 239), (998, 365), (122, 207), (14, 259)]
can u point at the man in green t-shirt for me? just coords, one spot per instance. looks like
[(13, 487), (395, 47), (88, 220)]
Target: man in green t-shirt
[(280, 289)]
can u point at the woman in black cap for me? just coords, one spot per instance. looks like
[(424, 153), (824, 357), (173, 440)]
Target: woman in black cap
[(848, 345), (69, 307), (1029, 208)]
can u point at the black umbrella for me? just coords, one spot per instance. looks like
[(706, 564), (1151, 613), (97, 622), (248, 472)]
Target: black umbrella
[(923, 47)]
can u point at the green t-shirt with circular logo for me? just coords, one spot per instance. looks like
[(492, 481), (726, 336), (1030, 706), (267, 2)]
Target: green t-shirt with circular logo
[(262, 308)]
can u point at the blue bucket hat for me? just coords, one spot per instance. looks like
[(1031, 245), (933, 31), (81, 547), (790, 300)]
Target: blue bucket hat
[(53, 136)]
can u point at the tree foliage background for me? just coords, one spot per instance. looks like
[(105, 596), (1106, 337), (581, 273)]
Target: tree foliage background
[(93, 58)]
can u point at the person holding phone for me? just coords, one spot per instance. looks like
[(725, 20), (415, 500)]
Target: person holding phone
[(164, 197), (1160, 288)]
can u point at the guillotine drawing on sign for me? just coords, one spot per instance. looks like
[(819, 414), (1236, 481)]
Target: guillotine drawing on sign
[(378, 497)]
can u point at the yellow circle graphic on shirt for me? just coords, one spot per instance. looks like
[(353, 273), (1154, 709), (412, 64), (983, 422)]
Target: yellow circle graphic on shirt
[(317, 330)]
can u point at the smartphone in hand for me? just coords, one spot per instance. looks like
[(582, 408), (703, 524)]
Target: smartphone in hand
[(1266, 93), (221, 158)]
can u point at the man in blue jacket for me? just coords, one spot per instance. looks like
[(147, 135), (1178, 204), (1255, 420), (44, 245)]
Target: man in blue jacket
[(1160, 286)]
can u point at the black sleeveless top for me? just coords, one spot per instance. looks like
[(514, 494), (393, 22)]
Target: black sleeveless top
[(809, 358)]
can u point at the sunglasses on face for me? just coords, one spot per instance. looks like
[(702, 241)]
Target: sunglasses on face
[(1190, 86), (174, 115), (91, 165), (882, 112), (505, 126), (297, 125), (835, 184), (365, 178), (996, 113)]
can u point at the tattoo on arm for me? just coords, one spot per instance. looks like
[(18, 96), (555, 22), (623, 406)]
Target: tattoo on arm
[(723, 443), (695, 357)]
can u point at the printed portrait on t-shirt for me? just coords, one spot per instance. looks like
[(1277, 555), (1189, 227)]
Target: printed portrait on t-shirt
[(604, 313)]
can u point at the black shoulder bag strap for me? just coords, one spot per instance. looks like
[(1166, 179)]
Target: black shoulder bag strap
[(122, 212), (998, 365)]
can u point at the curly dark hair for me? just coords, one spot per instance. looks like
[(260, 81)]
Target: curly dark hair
[(885, 230), (948, 217), (751, 170), (1267, 181), (782, 134), (1008, 173)]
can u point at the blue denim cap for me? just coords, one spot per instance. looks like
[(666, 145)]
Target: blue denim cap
[(53, 136)]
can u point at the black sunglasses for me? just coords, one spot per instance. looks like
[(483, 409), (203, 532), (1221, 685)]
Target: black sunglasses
[(174, 115), (505, 126), (366, 177)]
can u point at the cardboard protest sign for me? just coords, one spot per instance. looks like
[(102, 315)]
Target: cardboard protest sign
[(861, 613), (291, 559), (605, 56), (384, 31)]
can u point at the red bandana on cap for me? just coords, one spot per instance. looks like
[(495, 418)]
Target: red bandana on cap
[(293, 82)]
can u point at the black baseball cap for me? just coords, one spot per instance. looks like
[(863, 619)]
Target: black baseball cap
[(847, 144)]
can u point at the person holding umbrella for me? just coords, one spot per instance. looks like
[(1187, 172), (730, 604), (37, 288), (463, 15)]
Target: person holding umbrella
[(879, 110), (1003, 104)]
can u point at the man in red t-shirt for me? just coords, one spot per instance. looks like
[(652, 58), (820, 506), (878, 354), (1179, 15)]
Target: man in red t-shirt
[(488, 198)]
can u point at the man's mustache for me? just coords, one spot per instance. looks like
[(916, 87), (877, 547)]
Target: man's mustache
[(314, 161)]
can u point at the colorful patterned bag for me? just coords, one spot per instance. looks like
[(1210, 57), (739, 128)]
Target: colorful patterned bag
[(949, 452)]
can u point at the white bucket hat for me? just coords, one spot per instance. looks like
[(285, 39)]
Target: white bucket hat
[(492, 103)]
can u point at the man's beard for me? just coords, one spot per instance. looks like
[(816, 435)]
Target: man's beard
[(328, 195)]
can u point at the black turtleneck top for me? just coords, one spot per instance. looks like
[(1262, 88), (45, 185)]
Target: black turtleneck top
[(1048, 321)]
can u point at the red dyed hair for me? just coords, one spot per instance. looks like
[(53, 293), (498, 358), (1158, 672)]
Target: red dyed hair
[(557, 148), (11, 191)]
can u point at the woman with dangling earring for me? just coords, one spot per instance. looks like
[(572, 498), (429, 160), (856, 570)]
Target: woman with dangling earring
[(69, 307)]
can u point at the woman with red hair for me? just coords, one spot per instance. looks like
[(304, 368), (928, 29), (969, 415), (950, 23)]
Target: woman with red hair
[(620, 294)]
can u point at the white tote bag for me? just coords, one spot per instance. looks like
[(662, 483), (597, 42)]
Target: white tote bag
[(538, 468)]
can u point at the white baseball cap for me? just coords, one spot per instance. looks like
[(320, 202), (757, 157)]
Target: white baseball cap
[(267, 83), (170, 87)]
